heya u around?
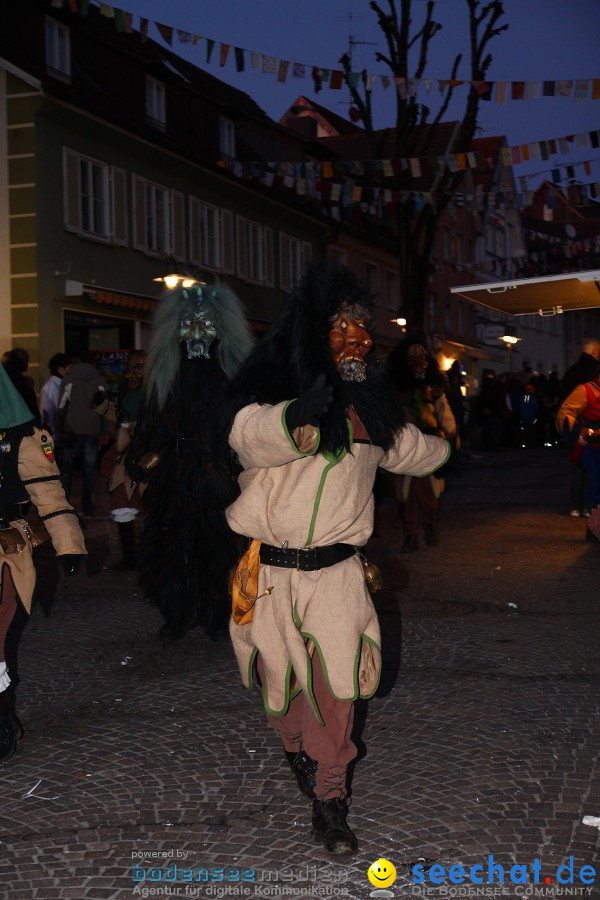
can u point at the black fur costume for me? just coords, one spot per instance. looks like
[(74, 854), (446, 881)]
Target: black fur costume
[(295, 351), (186, 548)]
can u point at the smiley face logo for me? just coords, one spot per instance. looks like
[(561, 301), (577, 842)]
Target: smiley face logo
[(381, 873)]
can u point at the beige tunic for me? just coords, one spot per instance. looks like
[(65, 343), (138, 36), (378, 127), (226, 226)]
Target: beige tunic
[(290, 493), (39, 473)]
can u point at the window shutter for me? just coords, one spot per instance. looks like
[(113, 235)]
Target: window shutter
[(241, 247), (227, 242), (269, 274), (139, 213), (119, 207), (284, 262), (71, 190), (195, 232), (178, 225)]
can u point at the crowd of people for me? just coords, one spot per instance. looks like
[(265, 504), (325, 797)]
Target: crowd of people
[(255, 471)]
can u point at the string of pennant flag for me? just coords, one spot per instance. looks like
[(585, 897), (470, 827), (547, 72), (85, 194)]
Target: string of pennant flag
[(311, 179), (415, 167), (581, 90)]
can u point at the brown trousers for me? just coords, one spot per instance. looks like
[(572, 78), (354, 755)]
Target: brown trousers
[(8, 607), (329, 744)]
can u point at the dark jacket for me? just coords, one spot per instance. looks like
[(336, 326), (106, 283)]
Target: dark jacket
[(74, 411)]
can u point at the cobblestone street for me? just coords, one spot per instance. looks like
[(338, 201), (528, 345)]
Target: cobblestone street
[(483, 738)]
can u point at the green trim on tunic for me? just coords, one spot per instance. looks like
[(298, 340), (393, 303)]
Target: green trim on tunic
[(291, 439), (356, 695)]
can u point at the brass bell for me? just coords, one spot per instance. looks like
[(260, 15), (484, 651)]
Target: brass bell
[(373, 577), (149, 461)]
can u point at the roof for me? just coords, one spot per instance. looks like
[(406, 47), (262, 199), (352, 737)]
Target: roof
[(341, 125), (545, 295), (428, 140)]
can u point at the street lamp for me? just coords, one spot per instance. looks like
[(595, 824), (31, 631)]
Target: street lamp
[(510, 339), (172, 281)]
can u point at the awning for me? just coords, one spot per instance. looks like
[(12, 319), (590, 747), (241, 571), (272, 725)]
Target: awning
[(546, 295), (474, 352), (124, 301)]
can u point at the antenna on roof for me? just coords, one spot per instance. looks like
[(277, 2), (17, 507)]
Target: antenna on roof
[(352, 42)]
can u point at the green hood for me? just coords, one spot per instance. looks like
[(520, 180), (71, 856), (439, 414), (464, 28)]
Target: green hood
[(13, 409)]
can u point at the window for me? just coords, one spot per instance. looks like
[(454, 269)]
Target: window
[(495, 240), (227, 137), (392, 289), (157, 229), (156, 112), (432, 311), (294, 255), (254, 252), (372, 278), (94, 198), (448, 313), (58, 50), (205, 234), (159, 219), (94, 205), (446, 245), (461, 317), (338, 254)]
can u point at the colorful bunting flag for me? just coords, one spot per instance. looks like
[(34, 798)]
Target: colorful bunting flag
[(224, 53), (283, 70), (166, 33)]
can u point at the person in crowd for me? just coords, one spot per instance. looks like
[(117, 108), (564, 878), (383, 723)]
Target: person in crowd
[(527, 410), (125, 496), (578, 420), (455, 396), (16, 366), (28, 474), (313, 417), (493, 409), (584, 370), (179, 452), (422, 393), (80, 426), (59, 365)]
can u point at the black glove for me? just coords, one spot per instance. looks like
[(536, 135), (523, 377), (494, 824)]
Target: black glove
[(71, 562), (310, 408), (98, 398)]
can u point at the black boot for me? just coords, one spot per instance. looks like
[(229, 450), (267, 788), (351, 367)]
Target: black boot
[(11, 731), (305, 770), (411, 543), (432, 535), (330, 827), (127, 537)]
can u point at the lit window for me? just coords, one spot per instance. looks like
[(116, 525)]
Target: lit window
[(58, 50)]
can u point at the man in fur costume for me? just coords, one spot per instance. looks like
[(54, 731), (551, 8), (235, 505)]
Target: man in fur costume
[(28, 474), (314, 417), (420, 383), (201, 335)]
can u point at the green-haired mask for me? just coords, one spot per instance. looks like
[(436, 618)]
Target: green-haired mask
[(196, 329)]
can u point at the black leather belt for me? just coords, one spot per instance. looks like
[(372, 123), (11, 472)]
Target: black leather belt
[(305, 559)]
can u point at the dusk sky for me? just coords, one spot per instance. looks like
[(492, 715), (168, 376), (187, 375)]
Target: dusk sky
[(546, 40)]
